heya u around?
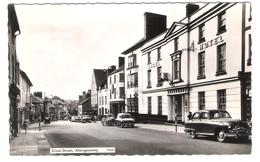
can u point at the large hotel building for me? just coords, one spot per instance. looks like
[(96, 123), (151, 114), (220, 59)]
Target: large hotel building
[(202, 61)]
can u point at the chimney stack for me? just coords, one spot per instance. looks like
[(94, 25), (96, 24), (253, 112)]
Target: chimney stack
[(84, 95), (80, 98), (191, 9), (121, 61), (154, 24)]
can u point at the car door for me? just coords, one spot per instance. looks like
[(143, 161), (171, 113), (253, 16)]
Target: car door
[(205, 123), (195, 121)]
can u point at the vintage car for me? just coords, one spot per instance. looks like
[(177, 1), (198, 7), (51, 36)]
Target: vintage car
[(108, 119), (85, 118), (216, 123), (75, 118), (125, 119)]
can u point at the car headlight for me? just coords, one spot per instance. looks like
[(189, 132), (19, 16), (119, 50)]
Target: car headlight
[(229, 126)]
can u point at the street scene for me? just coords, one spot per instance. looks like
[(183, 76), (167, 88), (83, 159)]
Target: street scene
[(99, 79)]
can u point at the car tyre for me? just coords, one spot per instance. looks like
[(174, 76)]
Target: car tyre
[(193, 134), (221, 136)]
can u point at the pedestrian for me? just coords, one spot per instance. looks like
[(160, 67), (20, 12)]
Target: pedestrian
[(189, 116)]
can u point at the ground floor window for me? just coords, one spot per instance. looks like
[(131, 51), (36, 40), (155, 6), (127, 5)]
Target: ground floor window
[(149, 105), (159, 105), (132, 105), (201, 98), (221, 94)]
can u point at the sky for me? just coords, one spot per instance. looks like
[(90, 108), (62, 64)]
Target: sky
[(60, 45)]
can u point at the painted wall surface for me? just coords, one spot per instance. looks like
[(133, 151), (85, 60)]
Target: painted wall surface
[(233, 97), (93, 91), (232, 39)]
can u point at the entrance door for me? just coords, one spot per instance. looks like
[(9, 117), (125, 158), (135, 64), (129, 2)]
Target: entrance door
[(178, 108)]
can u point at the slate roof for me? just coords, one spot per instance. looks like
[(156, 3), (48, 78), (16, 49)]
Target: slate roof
[(24, 75), (100, 75)]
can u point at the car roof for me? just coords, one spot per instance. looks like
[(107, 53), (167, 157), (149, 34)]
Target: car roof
[(123, 114), (210, 110)]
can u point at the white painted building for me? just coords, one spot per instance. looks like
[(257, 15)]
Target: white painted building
[(102, 99), (116, 89), (201, 62)]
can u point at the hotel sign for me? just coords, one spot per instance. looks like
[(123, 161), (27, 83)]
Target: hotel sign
[(157, 64), (212, 42)]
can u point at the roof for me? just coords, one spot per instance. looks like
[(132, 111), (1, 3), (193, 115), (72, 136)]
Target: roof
[(100, 75), (84, 101), (24, 75), (135, 46), (12, 18), (36, 99), (117, 70)]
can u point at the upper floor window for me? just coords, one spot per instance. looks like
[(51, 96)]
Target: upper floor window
[(176, 44), (121, 77), (221, 22), (250, 13), (114, 78), (201, 65), (149, 84), (110, 80), (132, 60), (121, 92), (221, 59), (176, 65), (159, 53), (132, 80), (148, 57), (202, 33), (250, 50), (159, 76), (221, 99)]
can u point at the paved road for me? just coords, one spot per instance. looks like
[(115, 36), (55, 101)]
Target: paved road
[(135, 141)]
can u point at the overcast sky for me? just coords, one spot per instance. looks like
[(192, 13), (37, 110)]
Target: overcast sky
[(60, 45)]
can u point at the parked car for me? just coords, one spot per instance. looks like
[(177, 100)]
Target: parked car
[(216, 123), (125, 119), (75, 119), (108, 119), (85, 118), (47, 120)]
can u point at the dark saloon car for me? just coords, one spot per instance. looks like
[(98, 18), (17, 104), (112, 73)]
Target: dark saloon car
[(108, 119), (216, 123)]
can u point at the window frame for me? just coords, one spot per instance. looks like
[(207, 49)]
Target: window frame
[(222, 99), (201, 65), (159, 56), (149, 82), (159, 102), (149, 105), (222, 26), (221, 62), (201, 33), (201, 100)]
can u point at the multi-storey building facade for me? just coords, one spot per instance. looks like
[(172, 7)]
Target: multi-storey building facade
[(116, 89), (155, 24), (201, 62), (102, 98), (25, 104), (13, 69)]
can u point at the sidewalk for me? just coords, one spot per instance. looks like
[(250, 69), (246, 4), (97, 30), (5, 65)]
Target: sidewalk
[(31, 143), (162, 127)]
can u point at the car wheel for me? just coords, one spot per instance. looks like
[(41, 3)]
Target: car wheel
[(193, 134), (221, 136)]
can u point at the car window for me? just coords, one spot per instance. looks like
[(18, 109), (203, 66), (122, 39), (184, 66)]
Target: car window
[(196, 115), (204, 115), (126, 116), (216, 115)]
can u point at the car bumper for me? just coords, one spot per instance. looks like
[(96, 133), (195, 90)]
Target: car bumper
[(238, 133)]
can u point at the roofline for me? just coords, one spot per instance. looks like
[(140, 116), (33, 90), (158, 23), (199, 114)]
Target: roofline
[(24, 75), (135, 46)]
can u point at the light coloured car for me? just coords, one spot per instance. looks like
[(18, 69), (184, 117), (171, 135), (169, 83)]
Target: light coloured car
[(125, 119)]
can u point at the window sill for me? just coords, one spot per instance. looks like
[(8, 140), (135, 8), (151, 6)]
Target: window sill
[(177, 81), (218, 73), (221, 31), (201, 77), (132, 67)]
